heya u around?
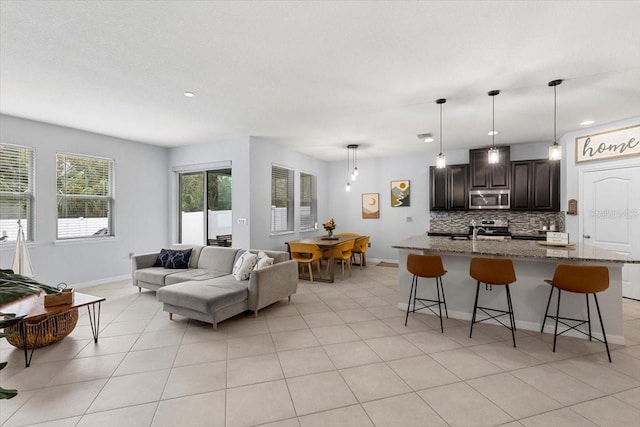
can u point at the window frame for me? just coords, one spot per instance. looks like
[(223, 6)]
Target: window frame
[(278, 172), (309, 222), (109, 197), (28, 195)]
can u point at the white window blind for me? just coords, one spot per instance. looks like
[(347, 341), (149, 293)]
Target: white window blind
[(16, 191), (282, 199), (308, 202), (85, 196)]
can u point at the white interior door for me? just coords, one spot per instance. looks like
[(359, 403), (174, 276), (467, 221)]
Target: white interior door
[(611, 217)]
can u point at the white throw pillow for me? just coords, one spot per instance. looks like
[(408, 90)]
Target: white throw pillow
[(243, 266), (263, 261)]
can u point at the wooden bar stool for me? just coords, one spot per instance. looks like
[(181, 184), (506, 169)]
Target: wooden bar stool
[(493, 271), (426, 266), (579, 279)]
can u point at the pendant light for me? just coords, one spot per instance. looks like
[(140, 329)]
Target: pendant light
[(494, 153), (441, 161), (555, 151), (347, 187), (354, 170)]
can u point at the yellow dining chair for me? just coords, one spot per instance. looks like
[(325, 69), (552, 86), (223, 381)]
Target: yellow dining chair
[(306, 253), (342, 252), (360, 247)]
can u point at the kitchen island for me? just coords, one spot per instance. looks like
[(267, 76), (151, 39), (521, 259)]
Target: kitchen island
[(533, 264)]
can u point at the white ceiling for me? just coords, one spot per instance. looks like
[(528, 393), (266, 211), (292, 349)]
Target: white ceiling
[(316, 76)]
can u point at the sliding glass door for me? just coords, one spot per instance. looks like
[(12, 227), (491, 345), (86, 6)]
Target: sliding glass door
[(200, 222)]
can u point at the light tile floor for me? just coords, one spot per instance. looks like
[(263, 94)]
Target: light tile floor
[(337, 355)]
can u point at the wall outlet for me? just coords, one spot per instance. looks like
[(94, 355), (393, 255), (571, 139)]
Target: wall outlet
[(409, 219), (242, 221), (369, 244)]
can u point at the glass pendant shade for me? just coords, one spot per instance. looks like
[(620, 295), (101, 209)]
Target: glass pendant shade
[(441, 161), (347, 187), (494, 153), (494, 156), (555, 152)]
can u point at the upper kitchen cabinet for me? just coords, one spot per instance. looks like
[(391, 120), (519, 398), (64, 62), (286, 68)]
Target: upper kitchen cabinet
[(535, 185), (485, 176), (449, 188)]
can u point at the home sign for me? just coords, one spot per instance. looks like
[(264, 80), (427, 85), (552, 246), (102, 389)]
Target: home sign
[(609, 145)]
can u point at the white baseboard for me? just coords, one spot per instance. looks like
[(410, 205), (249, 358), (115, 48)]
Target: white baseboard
[(100, 281)]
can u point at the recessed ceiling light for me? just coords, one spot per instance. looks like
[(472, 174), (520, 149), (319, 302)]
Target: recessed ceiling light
[(492, 132), (426, 137), (189, 94), (587, 123)]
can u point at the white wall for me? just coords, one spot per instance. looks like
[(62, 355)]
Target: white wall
[(263, 155), (571, 170), (141, 206), (234, 150)]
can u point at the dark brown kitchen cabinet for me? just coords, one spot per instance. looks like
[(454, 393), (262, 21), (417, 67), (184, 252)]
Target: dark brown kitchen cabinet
[(449, 189), (483, 176), (535, 185)]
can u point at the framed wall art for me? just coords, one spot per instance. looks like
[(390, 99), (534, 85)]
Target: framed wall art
[(608, 145), (370, 205), (400, 193)]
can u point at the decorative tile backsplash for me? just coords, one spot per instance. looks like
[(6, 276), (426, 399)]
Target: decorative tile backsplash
[(526, 223)]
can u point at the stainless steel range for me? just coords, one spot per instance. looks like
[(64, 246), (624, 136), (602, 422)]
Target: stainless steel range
[(490, 227)]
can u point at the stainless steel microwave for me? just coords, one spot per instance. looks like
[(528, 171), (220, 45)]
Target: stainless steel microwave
[(489, 199)]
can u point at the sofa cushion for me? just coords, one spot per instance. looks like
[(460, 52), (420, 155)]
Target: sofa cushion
[(193, 274), (201, 296), (263, 261), (195, 253), (244, 265), (179, 259), (154, 275), (278, 256), (217, 258), (163, 257)]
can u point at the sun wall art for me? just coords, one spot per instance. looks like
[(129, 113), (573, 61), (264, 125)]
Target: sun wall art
[(370, 205), (400, 193)]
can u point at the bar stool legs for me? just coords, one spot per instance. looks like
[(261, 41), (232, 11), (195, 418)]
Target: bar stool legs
[(493, 272), (489, 312), (439, 302), (578, 322), (426, 266)]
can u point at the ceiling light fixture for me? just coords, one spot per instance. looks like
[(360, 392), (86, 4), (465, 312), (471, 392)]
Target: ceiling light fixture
[(441, 161), (354, 170), (189, 94), (426, 137), (494, 153), (587, 123), (555, 151)]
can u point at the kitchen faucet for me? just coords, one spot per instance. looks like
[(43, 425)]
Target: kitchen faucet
[(475, 231)]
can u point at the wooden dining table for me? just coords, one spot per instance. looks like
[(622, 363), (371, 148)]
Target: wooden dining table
[(325, 242)]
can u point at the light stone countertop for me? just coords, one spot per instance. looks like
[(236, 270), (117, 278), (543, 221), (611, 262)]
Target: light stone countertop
[(521, 249)]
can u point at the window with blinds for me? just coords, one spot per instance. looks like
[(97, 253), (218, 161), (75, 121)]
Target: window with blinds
[(308, 202), (282, 199), (16, 191), (85, 196)]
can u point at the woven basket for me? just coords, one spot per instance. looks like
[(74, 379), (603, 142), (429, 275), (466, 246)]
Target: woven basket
[(52, 329)]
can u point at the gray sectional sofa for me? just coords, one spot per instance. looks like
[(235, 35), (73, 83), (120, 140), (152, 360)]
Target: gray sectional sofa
[(207, 290)]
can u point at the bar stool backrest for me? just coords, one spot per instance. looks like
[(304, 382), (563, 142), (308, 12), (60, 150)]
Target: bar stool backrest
[(492, 271), (583, 279), (425, 265)]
